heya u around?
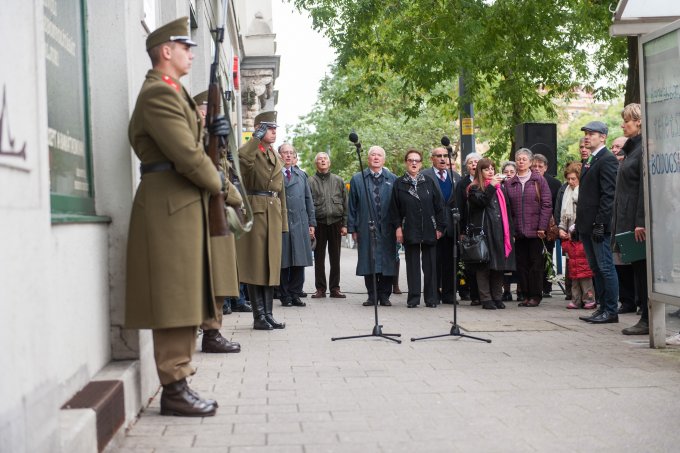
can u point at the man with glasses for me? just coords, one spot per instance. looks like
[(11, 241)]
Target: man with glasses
[(617, 144), (446, 181), (297, 245)]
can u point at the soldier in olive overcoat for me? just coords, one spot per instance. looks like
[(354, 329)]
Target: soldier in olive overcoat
[(223, 262), (259, 251), (168, 255)]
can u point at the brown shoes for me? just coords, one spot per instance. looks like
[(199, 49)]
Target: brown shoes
[(530, 303), (178, 399), (335, 293), (396, 290), (214, 342), (319, 294)]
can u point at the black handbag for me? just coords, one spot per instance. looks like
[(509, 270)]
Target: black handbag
[(473, 248)]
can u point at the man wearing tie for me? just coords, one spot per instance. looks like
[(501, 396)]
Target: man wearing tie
[(296, 253), (593, 218), (446, 181)]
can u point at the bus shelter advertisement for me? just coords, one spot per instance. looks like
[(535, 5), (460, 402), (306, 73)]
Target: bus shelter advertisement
[(662, 121)]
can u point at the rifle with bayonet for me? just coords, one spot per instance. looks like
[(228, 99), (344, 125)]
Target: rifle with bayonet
[(223, 218)]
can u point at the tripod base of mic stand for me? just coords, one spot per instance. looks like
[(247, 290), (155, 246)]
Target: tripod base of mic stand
[(455, 332), (377, 332)]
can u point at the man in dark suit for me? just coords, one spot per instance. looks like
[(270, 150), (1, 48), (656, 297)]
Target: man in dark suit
[(446, 180), (593, 219)]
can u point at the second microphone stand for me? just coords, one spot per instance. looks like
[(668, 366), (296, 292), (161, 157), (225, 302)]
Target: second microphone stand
[(377, 328), (455, 219)]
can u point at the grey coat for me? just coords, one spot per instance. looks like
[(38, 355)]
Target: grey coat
[(357, 222), (296, 245)]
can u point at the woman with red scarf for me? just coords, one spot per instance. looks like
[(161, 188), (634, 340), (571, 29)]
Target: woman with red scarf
[(490, 210)]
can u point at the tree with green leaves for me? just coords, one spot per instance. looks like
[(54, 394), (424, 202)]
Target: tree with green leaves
[(519, 56), (379, 118)]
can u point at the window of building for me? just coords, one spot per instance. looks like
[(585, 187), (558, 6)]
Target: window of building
[(71, 188)]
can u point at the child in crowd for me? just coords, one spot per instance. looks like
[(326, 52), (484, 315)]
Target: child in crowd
[(579, 271)]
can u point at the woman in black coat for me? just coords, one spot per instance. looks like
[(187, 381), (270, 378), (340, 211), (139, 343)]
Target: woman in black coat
[(417, 214), (490, 210), (629, 206)]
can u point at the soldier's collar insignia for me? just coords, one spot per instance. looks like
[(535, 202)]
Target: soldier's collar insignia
[(170, 82)]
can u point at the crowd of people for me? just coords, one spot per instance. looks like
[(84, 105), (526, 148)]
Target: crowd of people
[(180, 275)]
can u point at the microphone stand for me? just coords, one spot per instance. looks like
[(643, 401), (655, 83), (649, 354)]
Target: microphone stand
[(377, 327), (455, 218)]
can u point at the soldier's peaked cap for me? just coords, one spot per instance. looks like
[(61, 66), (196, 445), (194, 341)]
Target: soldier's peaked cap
[(201, 98), (266, 117), (175, 31)]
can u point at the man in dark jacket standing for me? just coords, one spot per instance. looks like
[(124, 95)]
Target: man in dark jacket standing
[(445, 180), (380, 182), (297, 249), (330, 206), (593, 218)]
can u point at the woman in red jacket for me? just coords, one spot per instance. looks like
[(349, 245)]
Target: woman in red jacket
[(578, 268)]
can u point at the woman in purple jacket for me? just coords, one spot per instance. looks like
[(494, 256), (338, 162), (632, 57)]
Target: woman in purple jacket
[(531, 203)]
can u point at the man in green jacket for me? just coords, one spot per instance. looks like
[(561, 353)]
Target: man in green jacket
[(330, 207)]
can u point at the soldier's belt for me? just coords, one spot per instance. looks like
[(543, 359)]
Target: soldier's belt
[(156, 167), (263, 193)]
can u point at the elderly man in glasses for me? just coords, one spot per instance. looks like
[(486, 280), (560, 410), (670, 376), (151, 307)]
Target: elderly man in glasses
[(446, 180)]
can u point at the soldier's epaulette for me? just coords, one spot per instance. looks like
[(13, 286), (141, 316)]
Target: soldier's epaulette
[(170, 82)]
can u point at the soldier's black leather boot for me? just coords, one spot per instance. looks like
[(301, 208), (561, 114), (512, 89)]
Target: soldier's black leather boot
[(269, 305), (257, 302)]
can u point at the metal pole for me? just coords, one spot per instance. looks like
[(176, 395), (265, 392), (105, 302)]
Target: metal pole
[(467, 130)]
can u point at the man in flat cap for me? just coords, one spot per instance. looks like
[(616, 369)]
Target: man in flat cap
[(223, 261), (593, 217), (259, 251), (169, 282)]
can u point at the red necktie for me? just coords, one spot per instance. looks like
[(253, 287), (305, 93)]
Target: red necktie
[(442, 175), (288, 174)]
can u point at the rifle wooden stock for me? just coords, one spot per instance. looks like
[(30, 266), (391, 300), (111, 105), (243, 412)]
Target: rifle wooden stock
[(217, 218)]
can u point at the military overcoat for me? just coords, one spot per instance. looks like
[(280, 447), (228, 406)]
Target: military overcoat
[(259, 251), (223, 250), (297, 247), (168, 254)]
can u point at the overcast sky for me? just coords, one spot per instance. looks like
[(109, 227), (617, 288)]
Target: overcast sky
[(305, 56)]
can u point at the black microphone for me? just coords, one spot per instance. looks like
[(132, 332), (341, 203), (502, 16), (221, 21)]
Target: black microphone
[(354, 138), (445, 142)]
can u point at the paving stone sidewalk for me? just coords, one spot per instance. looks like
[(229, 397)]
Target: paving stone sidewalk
[(547, 383)]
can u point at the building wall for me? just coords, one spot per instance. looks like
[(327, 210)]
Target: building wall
[(62, 285)]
